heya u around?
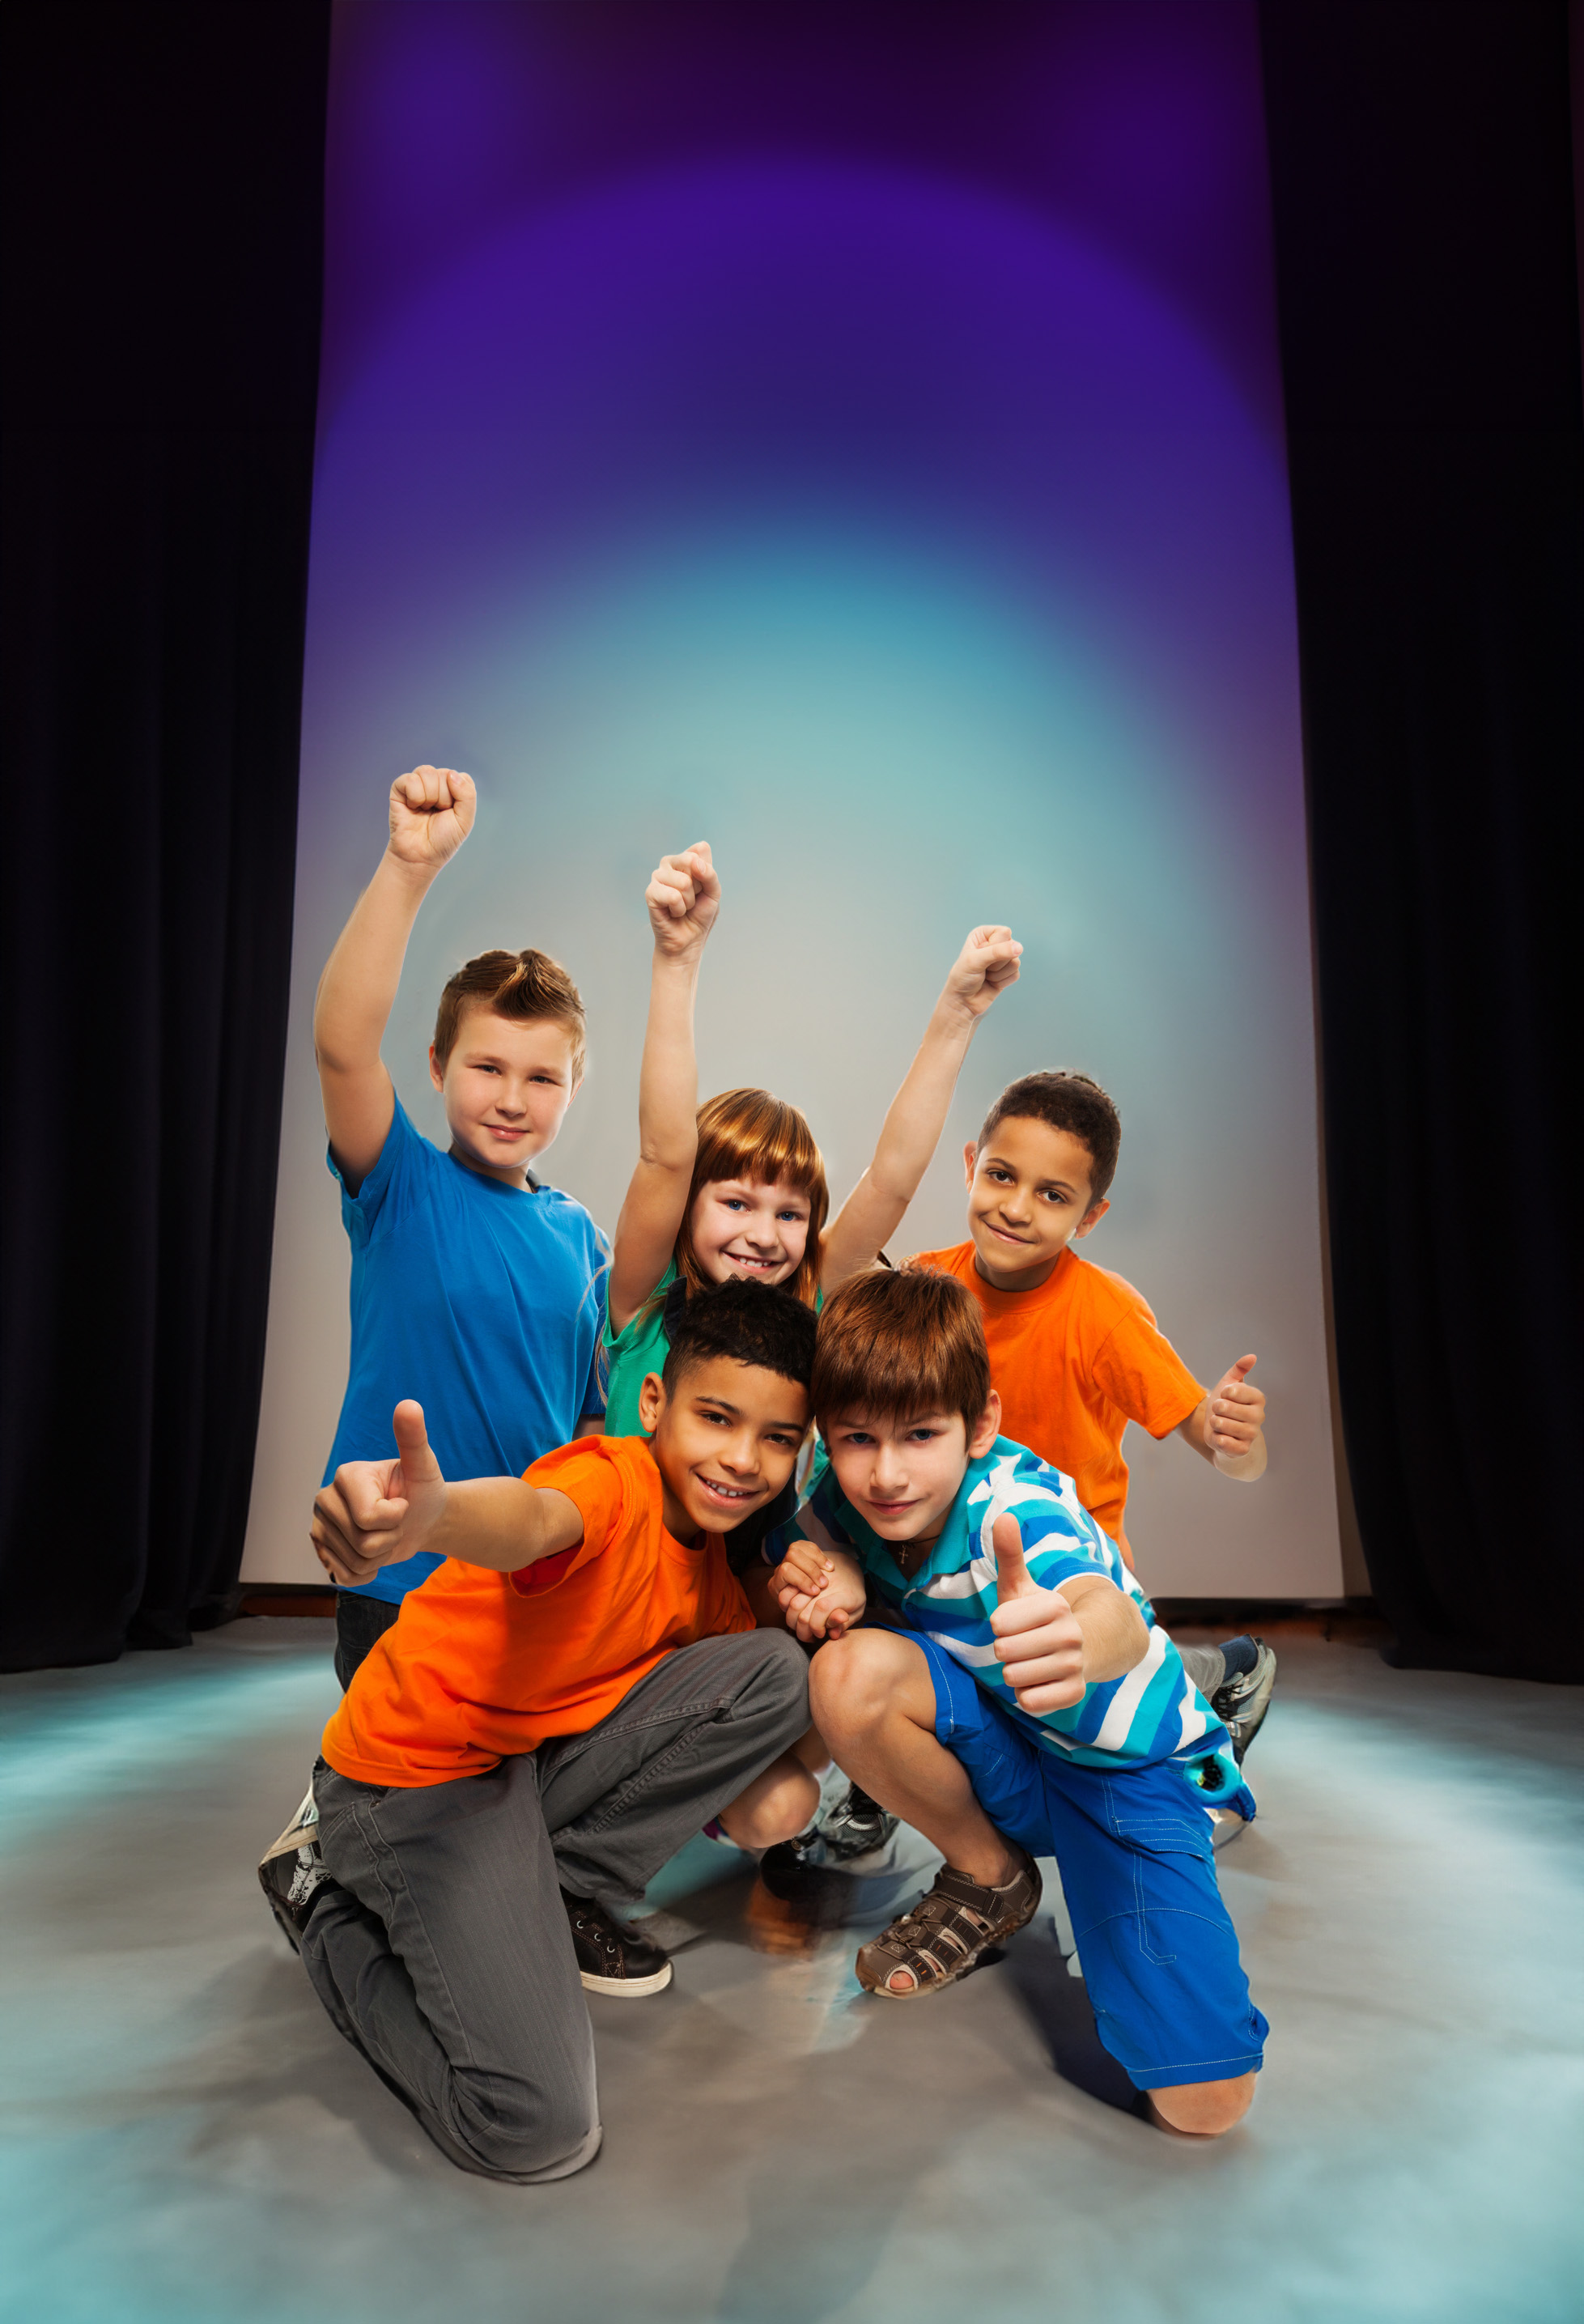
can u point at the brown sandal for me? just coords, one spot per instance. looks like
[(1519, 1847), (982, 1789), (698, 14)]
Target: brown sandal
[(947, 1931)]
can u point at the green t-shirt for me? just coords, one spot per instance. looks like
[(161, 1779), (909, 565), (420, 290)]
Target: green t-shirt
[(630, 1354)]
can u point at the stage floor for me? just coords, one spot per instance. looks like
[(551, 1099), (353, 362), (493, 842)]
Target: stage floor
[(188, 2142)]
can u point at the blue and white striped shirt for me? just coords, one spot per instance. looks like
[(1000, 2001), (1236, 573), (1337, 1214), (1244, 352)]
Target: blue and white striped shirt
[(1153, 1712)]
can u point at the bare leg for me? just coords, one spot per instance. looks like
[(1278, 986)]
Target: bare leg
[(875, 1705), (776, 1806), (1203, 2109)]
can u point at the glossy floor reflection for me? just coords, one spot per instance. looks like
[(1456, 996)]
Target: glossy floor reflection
[(189, 2143)]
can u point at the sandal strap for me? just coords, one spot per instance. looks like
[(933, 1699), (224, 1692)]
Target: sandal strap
[(948, 1929)]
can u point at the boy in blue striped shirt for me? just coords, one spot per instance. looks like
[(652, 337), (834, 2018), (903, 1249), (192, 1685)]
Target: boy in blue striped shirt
[(1010, 1695)]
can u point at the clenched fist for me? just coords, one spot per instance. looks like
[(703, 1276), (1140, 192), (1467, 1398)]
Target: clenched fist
[(431, 813)]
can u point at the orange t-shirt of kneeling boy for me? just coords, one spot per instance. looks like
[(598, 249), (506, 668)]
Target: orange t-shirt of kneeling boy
[(480, 1665)]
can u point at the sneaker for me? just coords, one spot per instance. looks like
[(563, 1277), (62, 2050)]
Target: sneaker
[(1241, 1702), (291, 1873), (612, 1956), (856, 1826), (949, 1932)]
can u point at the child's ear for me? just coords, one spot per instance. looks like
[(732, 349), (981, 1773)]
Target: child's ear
[(436, 1070), (970, 1161), (651, 1402), (987, 1428), (1092, 1218)]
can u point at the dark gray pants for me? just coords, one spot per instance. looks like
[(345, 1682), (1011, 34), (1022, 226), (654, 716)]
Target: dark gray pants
[(443, 1951)]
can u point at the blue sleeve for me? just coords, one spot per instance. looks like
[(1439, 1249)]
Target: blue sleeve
[(1060, 1544), (401, 1152)]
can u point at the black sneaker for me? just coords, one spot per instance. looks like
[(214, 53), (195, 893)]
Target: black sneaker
[(856, 1826), (611, 1957), (1241, 1702), (292, 1872)]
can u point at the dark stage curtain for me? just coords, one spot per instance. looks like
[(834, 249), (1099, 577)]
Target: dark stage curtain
[(164, 212), (1424, 235)]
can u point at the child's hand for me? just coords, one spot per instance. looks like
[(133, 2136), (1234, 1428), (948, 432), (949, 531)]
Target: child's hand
[(821, 1596), (1038, 1640), (1237, 1411), (987, 963), (372, 1511), (682, 898), (431, 813)]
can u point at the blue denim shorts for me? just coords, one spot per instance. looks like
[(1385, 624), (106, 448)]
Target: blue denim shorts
[(1156, 1943)]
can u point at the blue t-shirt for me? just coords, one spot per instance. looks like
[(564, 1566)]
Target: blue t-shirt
[(1151, 1713), (482, 1300)]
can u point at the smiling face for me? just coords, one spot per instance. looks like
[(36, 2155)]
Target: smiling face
[(902, 1474), (726, 1440), (506, 1087), (1027, 1199), (756, 1232)]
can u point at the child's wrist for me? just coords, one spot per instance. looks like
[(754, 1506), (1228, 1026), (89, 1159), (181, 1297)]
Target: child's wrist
[(406, 874)]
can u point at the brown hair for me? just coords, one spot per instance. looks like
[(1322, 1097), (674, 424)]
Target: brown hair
[(747, 1133), (896, 1344), (526, 985), (1069, 1101)]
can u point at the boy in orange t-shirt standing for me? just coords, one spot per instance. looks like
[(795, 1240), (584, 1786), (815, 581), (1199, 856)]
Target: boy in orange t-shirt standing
[(1075, 1352), (575, 1690)]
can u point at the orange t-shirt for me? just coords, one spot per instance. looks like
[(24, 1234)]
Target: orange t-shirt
[(479, 1665), (1073, 1362)]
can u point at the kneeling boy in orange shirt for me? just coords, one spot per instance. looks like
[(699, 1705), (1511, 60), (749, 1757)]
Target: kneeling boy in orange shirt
[(1075, 1352), (567, 1700)]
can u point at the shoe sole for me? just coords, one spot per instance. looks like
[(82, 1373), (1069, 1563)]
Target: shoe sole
[(628, 1988), (976, 1960)]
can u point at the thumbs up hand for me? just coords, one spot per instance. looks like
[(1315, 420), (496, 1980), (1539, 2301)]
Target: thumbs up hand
[(1039, 1641), (1236, 1413), (372, 1512)]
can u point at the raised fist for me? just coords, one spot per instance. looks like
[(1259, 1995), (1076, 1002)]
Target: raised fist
[(431, 813), (987, 963), (683, 896)]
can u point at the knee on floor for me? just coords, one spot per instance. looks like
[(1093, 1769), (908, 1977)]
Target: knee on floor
[(1204, 2109), (523, 2137)]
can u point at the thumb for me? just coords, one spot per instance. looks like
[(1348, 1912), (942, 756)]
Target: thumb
[(419, 1465), (1013, 1579), (1241, 1370)]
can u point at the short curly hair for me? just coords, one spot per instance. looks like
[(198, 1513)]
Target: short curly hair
[(1069, 1101)]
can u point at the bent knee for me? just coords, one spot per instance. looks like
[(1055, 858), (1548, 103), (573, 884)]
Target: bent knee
[(853, 1680), (530, 2137), (1204, 2109)]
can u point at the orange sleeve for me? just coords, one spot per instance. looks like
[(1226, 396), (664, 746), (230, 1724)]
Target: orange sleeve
[(1143, 1374), (588, 1474)]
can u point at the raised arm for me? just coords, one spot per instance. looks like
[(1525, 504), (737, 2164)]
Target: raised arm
[(431, 813), (372, 1512), (1227, 1428), (682, 898), (911, 1130)]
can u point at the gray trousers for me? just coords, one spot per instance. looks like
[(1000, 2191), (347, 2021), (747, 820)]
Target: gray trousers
[(443, 1951)]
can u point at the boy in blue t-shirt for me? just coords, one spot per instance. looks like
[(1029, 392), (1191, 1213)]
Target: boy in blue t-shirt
[(474, 1289), (1012, 1696)]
